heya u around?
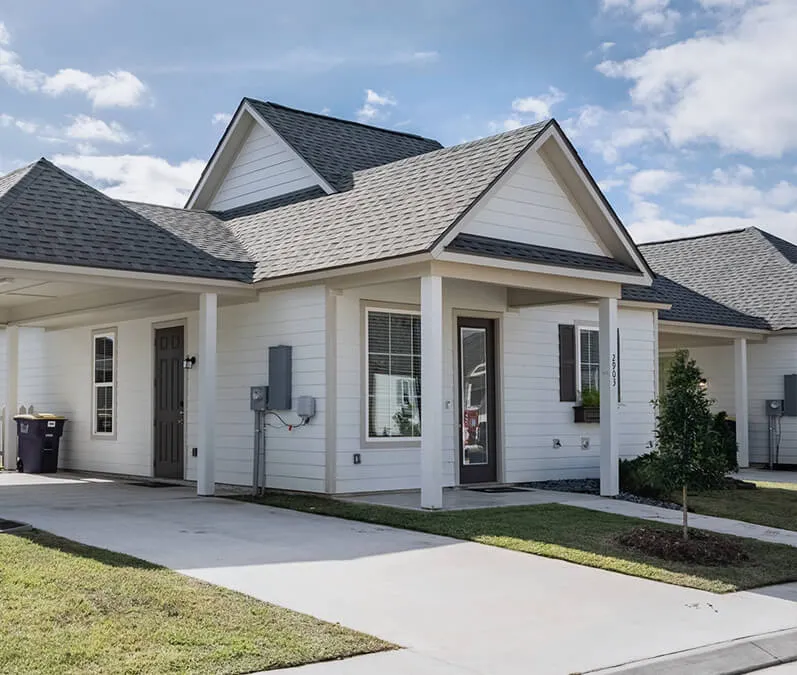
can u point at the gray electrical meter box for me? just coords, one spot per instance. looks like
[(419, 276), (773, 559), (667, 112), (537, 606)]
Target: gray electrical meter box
[(280, 376), (774, 407), (258, 398)]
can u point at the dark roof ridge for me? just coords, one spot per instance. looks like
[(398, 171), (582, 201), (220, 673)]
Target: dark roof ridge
[(341, 119), (166, 206), (698, 236)]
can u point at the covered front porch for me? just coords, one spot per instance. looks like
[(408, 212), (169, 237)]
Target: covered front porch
[(489, 379), (80, 341), (722, 354)]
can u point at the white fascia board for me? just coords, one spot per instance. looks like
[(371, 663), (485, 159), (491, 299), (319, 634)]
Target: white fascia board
[(711, 330), (21, 269), (550, 270)]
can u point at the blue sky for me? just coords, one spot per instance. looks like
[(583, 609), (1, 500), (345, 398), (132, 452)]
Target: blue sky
[(684, 110)]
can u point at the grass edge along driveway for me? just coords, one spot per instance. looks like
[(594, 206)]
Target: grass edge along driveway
[(563, 532), (71, 608)]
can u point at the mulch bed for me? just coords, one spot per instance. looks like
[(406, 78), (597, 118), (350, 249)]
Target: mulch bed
[(702, 548)]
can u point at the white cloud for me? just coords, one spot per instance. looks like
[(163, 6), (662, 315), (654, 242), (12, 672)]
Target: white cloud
[(732, 190), (119, 88), (652, 181), (222, 118), (538, 107), (136, 177), (374, 106), (85, 128), (652, 15), (735, 86), (608, 184), (26, 126), (606, 46)]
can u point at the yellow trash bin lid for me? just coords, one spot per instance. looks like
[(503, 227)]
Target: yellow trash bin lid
[(39, 416)]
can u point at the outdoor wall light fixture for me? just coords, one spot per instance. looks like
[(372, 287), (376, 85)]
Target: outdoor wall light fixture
[(189, 362)]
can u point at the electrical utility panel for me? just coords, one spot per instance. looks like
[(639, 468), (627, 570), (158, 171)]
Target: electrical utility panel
[(280, 377), (790, 395), (774, 407)]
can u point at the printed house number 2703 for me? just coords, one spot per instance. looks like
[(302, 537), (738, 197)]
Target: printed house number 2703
[(614, 370)]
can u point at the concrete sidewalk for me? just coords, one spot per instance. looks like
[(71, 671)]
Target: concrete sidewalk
[(457, 607)]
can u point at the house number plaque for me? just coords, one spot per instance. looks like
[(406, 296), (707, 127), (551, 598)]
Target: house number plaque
[(614, 370)]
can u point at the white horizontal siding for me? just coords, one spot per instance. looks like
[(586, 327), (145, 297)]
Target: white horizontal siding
[(531, 208), (767, 363), (264, 167), (532, 413), (295, 459)]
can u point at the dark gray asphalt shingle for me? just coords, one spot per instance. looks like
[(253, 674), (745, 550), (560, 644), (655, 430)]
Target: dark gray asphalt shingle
[(749, 272), (393, 210), (499, 248), (338, 148), (49, 216), (199, 228)]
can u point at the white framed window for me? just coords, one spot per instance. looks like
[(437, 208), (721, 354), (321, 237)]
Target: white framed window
[(103, 383), (393, 374), (588, 360)]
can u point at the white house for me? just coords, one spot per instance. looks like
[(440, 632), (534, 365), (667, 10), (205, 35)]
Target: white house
[(445, 308), (733, 298)]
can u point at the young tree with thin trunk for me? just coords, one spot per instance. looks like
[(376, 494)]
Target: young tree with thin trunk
[(689, 454)]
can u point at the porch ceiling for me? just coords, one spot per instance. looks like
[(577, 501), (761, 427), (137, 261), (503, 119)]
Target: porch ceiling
[(72, 297)]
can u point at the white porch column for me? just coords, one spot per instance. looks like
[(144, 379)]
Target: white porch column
[(12, 393), (206, 363), (431, 392), (610, 450), (742, 406)]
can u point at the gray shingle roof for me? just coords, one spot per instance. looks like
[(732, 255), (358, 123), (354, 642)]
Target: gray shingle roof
[(49, 216), (199, 228), (393, 210), (749, 272), (338, 148), (499, 248)]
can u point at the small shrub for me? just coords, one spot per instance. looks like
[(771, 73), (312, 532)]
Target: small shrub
[(640, 476), (725, 438)]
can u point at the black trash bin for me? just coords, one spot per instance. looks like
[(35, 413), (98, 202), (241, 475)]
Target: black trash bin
[(38, 438)]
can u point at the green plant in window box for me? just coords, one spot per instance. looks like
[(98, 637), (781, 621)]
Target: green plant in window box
[(589, 412)]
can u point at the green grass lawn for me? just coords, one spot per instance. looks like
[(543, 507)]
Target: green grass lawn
[(770, 504), (564, 532), (70, 608)]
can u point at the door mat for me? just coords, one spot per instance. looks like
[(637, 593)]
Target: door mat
[(154, 484), (12, 526), (498, 490)]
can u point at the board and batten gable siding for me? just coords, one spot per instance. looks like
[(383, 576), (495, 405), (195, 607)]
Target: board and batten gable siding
[(528, 383), (264, 167), (767, 363), (531, 208), (295, 458)]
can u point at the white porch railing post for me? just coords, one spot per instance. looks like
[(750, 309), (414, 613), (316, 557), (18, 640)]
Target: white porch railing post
[(741, 403), (12, 393), (206, 363), (610, 450), (431, 392)]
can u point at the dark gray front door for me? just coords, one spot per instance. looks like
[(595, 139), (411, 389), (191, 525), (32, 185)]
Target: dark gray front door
[(169, 402), (477, 438)]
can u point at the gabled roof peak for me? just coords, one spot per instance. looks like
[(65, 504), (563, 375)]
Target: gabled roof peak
[(338, 119)]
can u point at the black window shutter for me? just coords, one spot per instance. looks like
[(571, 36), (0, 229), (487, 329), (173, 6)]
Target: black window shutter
[(567, 362)]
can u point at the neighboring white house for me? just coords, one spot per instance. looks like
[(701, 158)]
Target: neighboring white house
[(733, 298), (445, 308)]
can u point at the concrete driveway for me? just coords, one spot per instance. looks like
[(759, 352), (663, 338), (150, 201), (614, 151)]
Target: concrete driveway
[(459, 607)]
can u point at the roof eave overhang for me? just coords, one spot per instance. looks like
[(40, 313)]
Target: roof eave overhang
[(125, 278), (711, 330)]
